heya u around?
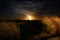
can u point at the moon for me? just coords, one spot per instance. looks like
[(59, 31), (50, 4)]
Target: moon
[(29, 17)]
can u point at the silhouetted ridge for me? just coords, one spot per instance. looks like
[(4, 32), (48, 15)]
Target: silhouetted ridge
[(31, 28)]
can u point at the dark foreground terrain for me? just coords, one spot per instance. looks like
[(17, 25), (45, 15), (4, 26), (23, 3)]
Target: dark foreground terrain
[(24, 30)]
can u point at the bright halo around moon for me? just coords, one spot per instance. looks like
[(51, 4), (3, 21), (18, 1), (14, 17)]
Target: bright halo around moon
[(29, 17)]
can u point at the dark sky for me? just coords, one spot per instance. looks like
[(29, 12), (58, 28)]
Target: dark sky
[(15, 9)]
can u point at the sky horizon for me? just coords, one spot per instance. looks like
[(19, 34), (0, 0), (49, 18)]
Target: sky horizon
[(17, 9)]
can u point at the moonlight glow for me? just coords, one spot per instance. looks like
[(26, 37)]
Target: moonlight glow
[(29, 17)]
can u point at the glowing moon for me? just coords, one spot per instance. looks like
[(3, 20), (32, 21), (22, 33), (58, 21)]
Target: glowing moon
[(29, 17)]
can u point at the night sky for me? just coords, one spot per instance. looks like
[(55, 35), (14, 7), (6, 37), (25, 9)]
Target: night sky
[(16, 9)]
